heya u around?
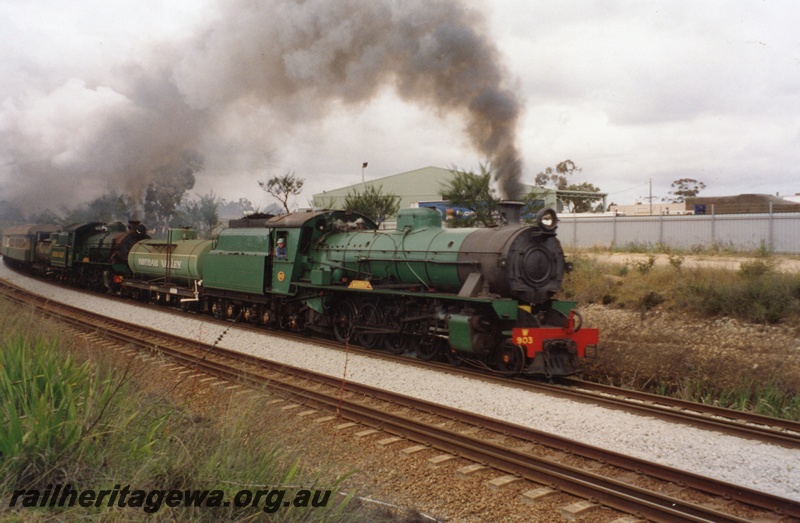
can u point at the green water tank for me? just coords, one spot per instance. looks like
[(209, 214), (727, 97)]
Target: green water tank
[(178, 259)]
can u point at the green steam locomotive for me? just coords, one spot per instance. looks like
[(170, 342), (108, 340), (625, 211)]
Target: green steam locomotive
[(483, 296)]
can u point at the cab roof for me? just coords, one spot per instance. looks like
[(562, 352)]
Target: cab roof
[(301, 219)]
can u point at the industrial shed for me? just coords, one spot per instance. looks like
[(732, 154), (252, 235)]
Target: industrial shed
[(740, 204), (420, 185)]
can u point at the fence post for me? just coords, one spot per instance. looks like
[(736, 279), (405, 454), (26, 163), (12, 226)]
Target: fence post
[(614, 232), (575, 230)]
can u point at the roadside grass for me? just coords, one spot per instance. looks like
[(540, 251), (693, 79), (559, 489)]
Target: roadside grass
[(756, 293), (68, 422), (716, 249), (647, 352), (766, 398)]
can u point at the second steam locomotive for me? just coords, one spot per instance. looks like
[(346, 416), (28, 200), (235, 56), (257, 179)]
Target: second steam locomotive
[(484, 296)]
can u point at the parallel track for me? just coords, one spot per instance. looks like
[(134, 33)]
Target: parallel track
[(711, 417), (374, 407)]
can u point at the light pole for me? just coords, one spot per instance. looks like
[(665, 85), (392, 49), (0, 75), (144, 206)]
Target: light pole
[(363, 166)]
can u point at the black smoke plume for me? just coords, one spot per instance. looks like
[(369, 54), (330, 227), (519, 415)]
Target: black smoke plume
[(288, 63)]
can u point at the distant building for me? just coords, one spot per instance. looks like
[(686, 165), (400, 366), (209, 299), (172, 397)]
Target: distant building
[(424, 185), (794, 198), (646, 209), (740, 204)]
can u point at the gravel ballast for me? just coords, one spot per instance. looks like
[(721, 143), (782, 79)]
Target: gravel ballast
[(751, 464)]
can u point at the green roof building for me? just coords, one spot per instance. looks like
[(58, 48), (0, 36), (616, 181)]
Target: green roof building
[(420, 185)]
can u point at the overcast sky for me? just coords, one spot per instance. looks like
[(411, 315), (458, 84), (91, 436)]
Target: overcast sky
[(94, 93)]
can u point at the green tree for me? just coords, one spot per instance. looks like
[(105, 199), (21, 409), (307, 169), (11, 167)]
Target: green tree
[(238, 208), (685, 188), (45, 216), (578, 203), (209, 213), (372, 203), (283, 187), (474, 192), (163, 195), (109, 207), (201, 214), (557, 175)]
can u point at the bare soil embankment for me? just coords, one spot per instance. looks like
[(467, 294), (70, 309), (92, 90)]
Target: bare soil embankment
[(674, 350)]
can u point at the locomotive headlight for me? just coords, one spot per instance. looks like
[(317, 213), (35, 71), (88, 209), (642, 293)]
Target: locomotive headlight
[(547, 219)]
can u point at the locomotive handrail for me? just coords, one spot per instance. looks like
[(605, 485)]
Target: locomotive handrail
[(410, 268), (434, 262)]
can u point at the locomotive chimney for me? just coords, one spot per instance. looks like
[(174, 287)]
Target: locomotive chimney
[(511, 211)]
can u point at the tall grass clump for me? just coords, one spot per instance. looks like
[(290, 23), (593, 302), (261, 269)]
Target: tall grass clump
[(68, 422), (766, 398), (756, 293), (48, 402), (641, 289)]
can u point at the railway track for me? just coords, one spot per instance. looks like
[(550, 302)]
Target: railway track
[(711, 417), (728, 421), (627, 484)]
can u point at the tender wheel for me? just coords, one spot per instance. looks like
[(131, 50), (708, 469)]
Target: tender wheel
[(216, 310), (511, 358), (343, 316), (232, 312)]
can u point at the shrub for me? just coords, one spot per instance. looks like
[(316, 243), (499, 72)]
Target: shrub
[(676, 261), (644, 266), (756, 269)]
